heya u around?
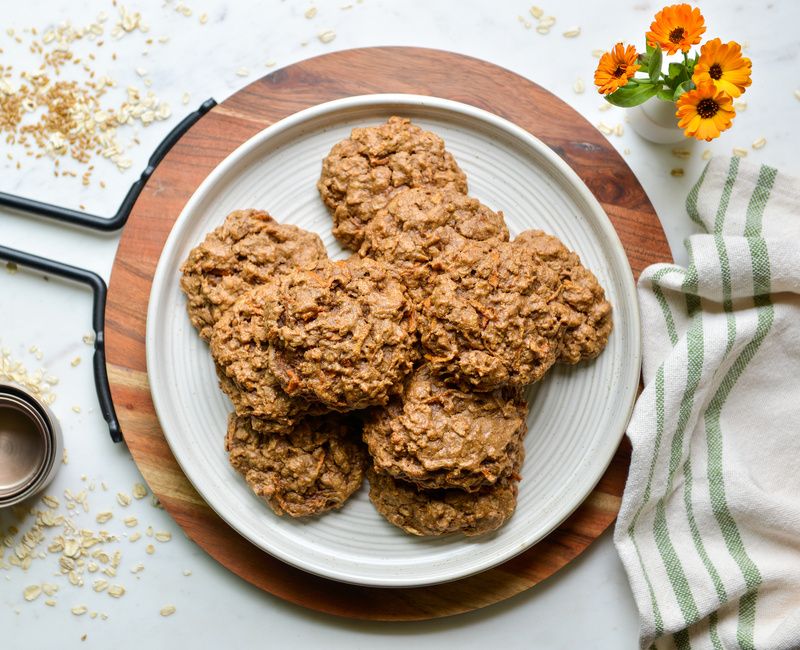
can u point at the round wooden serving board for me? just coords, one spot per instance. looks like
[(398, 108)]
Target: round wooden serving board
[(218, 133)]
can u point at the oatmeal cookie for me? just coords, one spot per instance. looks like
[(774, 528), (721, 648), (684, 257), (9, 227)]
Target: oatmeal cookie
[(248, 249), (312, 469), (361, 174), (492, 317), (588, 319), (344, 336), (241, 357), (438, 436), (439, 512), (420, 224)]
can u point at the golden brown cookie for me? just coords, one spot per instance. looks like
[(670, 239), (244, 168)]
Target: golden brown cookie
[(438, 436), (492, 317), (588, 319), (248, 249), (361, 174), (312, 469), (344, 336)]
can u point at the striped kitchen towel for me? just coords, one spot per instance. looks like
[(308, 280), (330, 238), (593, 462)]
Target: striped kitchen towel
[(709, 530)]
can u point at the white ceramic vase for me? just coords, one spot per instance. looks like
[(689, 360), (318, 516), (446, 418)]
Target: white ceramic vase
[(655, 120)]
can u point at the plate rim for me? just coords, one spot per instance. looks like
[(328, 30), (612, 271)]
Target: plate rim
[(162, 277)]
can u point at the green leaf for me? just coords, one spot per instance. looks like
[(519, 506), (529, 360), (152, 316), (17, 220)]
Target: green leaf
[(629, 96), (654, 66), (675, 69), (667, 94), (682, 88)]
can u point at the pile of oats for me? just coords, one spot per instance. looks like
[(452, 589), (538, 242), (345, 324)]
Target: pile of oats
[(72, 117)]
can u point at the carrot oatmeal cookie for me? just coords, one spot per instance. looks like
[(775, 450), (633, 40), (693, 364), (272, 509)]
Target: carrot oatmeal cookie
[(361, 174), (248, 249), (439, 512), (344, 336), (312, 469), (420, 224), (588, 320), (492, 317), (438, 436)]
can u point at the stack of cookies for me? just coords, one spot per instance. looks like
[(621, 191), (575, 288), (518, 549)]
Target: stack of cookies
[(405, 363)]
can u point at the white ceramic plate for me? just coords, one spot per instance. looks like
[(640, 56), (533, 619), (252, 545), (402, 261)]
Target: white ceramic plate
[(578, 414)]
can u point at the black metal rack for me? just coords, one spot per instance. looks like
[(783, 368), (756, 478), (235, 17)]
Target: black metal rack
[(89, 278)]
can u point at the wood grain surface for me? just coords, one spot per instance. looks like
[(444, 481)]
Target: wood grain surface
[(304, 84)]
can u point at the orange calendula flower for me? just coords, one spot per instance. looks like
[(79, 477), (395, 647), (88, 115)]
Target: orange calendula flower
[(676, 27), (705, 112), (615, 68), (723, 64)]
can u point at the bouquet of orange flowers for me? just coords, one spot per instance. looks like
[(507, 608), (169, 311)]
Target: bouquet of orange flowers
[(703, 86)]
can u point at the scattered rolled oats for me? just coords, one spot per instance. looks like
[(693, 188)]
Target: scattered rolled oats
[(243, 72), (185, 98), (677, 172), (123, 499), (76, 408), (79, 610), (135, 537), (619, 130), (50, 501), (759, 144), (50, 602), (598, 53), (310, 12), (683, 154), (536, 12), (578, 86), (99, 585), (167, 610), (604, 128), (740, 106), (203, 18), (572, 33), (150, 549), (138, 568), (706, 154), (739, 152), (187, 572), (525, 23), (326, 36), (116, 591), (139, 491), (163, 536), (797, 94), (270, 63), (88, 339)]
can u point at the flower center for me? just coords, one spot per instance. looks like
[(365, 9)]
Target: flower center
[(715, 71), (707, 108), (619, 71), (676, 35)]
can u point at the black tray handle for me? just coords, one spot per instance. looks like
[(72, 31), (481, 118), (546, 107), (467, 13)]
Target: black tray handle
[(89, 278), (108, 224), (99, 291)]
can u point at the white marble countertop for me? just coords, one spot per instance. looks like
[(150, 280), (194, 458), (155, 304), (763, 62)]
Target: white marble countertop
[(588, 604)]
